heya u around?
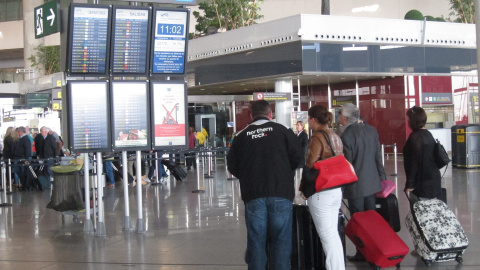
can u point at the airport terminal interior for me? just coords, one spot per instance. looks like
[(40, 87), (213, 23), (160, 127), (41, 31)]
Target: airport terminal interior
[(184, 228)]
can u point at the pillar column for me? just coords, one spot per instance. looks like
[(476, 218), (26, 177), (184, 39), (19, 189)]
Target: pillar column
[(284, 109)]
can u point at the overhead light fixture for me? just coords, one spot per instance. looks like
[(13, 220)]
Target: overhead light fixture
[(372, 8)]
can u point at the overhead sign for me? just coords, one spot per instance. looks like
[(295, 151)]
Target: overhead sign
[(46, 18), (170, 41), (271, 96)]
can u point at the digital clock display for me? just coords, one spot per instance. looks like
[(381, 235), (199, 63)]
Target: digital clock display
[(170, 29), (169, 41)]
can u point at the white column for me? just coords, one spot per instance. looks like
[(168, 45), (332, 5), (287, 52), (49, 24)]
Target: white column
[(284, 109), (30, 43)]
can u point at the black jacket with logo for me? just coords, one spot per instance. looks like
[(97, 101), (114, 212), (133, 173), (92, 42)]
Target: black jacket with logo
[(264, 157)]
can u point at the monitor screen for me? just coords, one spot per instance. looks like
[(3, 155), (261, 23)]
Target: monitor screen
[(33, 100), (169, 110), (89, 39), (130, 41), (89, 119), (170, 35), (130, 115)]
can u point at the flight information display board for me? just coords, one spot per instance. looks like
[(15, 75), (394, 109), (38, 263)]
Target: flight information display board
[(89, 119), (170, 32), (89, 39), (130, 41), (130, 115), (169, 111)]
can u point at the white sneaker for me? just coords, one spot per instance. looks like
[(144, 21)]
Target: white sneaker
[(147, 180)]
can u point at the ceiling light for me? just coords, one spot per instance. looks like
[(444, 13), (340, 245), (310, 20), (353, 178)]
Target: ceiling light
[(372, 8)]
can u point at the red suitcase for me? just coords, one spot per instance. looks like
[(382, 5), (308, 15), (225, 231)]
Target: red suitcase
[(376, 240)]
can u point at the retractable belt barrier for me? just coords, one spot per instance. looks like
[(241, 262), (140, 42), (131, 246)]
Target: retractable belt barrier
[(394, 156)]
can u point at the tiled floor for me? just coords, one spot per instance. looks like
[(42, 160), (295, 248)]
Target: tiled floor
[(184, 230)]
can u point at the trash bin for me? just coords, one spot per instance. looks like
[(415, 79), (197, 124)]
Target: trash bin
[(466, 146), (67, 189)]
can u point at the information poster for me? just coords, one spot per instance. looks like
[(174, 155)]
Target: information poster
[(89, 116), (130, 115), (169, 114), (170, 41), (130, 41), (89, 39)]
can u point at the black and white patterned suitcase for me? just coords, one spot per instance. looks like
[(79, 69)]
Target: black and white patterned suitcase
[(436, 232)]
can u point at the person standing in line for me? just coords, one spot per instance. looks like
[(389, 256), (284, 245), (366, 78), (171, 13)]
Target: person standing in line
[(9, 145), (264, 157), (423, 176), (49, 149), (23, 151), (190, 159), (361, 147), (303, 140), (324, 205)]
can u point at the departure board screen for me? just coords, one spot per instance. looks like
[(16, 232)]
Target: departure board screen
[(130, 40), (89, 39), (89, 116), (169, 41), (169, 111), (130, 115)]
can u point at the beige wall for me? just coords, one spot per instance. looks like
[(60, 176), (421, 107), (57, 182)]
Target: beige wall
[(11, 35)]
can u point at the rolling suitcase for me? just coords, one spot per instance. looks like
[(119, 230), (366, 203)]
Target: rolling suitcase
[(369, 232), (388, 209), (437, 235), (307, 251)]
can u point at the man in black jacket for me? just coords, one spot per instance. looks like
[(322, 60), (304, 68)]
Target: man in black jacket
[(49, 148), (23, 151), (264, 157)]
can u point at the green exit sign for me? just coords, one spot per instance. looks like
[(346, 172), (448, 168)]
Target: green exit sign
[(46, 19)]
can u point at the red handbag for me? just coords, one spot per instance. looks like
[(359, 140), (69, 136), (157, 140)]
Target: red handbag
[(333, 172)]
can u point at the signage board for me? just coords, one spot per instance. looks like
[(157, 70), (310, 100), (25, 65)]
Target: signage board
[(437, 98), (130, 41), (169, 114), (34, 100), (46, 19), (88, 114), (271, 96), (89, 39), (130, 115), (169, 38)]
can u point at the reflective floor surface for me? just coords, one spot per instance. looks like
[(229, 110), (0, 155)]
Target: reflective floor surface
[(183, 229)]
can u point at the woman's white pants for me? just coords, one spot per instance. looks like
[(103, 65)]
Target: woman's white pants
[(324, 207)]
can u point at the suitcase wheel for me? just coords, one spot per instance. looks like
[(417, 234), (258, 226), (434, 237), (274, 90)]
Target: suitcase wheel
[(398, 265), (375, 267), (427, 262), (459, 260)]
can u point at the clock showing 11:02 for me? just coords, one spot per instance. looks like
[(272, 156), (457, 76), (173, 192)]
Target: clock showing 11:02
[(170, 29)]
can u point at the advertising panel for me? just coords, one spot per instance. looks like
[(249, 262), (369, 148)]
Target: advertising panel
[(169, 114)]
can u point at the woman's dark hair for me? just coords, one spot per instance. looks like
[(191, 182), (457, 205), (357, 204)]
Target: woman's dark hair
[(320, 113), (417, 118)]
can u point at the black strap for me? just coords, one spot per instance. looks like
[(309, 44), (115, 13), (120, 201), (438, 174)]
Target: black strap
[(328, 141)]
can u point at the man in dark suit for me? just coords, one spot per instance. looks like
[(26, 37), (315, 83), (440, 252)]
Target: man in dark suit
[(49, 148), (23, 151), (361, 147)]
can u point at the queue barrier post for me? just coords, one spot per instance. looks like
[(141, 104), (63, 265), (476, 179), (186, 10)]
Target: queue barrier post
[(394, 156)]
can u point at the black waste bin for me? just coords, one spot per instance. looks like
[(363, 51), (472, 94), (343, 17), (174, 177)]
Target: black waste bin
[(466, 146), (67, 192)]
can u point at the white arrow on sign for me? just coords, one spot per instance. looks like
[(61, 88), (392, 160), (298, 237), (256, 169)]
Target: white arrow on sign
[(51, 17)]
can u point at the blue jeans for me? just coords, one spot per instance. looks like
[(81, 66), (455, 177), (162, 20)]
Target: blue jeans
[(161, 170), (272, 217), (109, 171)]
